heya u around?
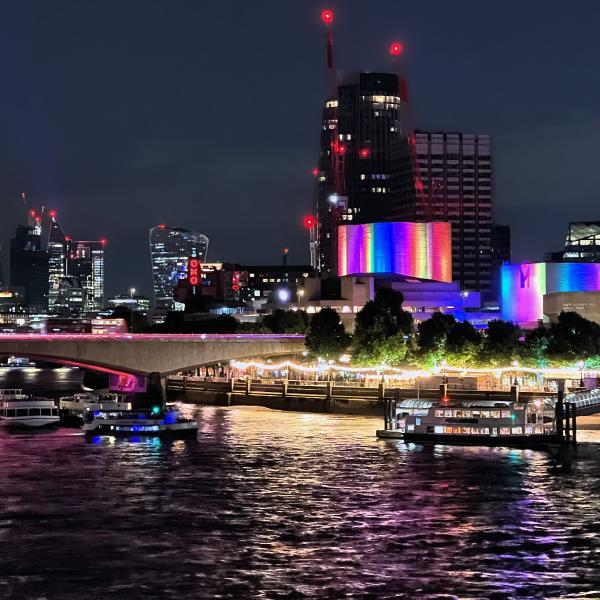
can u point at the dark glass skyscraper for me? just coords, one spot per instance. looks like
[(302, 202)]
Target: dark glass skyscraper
[(362, 150), (29, 265), (170, 249)]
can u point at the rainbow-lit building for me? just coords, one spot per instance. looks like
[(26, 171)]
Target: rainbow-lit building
[(523, 287), (421, 250)]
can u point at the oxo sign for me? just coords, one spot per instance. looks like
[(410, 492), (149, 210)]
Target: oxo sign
[(193, 274)]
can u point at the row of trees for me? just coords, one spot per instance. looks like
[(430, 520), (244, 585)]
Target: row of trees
[(385, 333)]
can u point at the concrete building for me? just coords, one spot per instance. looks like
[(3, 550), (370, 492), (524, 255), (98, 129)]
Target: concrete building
[(586, 304), (347, 295)]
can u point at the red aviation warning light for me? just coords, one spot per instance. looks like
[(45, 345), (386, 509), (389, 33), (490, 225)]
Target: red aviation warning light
[(193, 271), (396, 48), (315, 171), (327, 16), (364, 152), (32, 213), (52, 214), (309, 221), (103, 241)]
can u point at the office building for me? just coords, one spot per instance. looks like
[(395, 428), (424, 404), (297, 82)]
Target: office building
[(85, 261), (361, 148), (29, 264), (582, 243), (170, 250), (455, 171), (56, 247), (134, 303), (70, 298)]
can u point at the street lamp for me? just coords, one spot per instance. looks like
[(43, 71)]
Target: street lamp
[(300, 296), (515, 364), (131, 293), (581, 364)]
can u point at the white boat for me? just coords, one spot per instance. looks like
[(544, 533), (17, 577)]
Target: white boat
[(476, 423), (22, 410), (139, 423), (17, 362), (74, 407)]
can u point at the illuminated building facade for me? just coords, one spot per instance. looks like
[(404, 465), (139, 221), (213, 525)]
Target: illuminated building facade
[(523, 287), (85, 261), (582, 243), (29, 264), (456, 174), (360, 149), (421, 250), (57, 259), (170, 250)]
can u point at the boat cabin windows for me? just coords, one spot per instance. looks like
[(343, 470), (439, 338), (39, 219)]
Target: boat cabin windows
[(28, 412)]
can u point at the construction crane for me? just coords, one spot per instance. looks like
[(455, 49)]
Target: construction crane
[(396, 50)]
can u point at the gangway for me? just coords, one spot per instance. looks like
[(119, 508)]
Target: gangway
[(586, 403)]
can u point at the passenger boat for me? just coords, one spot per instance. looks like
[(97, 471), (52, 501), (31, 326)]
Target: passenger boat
[(22, 410), (72, 408), (17, 362), (514, 424), (156, 422)]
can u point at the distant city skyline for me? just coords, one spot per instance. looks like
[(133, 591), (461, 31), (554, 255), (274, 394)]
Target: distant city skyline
[(226, 143)]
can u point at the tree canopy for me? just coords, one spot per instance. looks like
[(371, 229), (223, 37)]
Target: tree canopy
[(383, 331), (326, 336)]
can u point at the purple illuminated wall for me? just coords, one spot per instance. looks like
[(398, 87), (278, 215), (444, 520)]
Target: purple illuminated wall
[(522, 286), (422, 250)]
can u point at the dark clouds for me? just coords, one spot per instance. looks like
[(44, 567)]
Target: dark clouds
[(124, 114)]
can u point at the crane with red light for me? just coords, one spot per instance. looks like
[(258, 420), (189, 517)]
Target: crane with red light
[(396, 50)]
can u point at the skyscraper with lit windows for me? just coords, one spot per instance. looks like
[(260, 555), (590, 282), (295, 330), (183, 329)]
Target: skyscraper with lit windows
[(85, 261), (57, 258), (457, 186), (170, 249), (362, 150)]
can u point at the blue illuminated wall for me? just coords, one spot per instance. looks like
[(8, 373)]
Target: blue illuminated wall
[(522, 286)]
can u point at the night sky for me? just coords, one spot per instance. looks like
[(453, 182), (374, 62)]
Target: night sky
[(123, 114)]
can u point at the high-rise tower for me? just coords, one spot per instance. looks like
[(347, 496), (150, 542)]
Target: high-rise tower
[(457, 186), (57, 258), (85, 261), (362, 149), (170, 250), (29, 264)]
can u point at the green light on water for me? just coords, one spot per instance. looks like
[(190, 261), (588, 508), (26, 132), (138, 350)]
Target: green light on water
[(155, 410)]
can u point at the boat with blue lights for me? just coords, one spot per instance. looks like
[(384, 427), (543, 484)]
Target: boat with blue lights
[(131, 423), (476, 423)]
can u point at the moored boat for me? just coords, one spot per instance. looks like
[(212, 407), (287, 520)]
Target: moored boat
[(514, 424), (22, 410), (73, 408)]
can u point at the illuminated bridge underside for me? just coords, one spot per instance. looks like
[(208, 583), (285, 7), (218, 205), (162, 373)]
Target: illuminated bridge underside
[(143, 354)]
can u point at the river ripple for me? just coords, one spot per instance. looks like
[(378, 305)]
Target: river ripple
[(269, 504)]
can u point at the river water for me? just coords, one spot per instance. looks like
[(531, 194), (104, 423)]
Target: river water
[(269, 504)]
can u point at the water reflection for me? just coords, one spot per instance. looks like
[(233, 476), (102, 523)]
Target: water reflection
[(290, 505)]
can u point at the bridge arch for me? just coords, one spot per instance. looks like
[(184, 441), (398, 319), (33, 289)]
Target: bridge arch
[(142, 354)]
